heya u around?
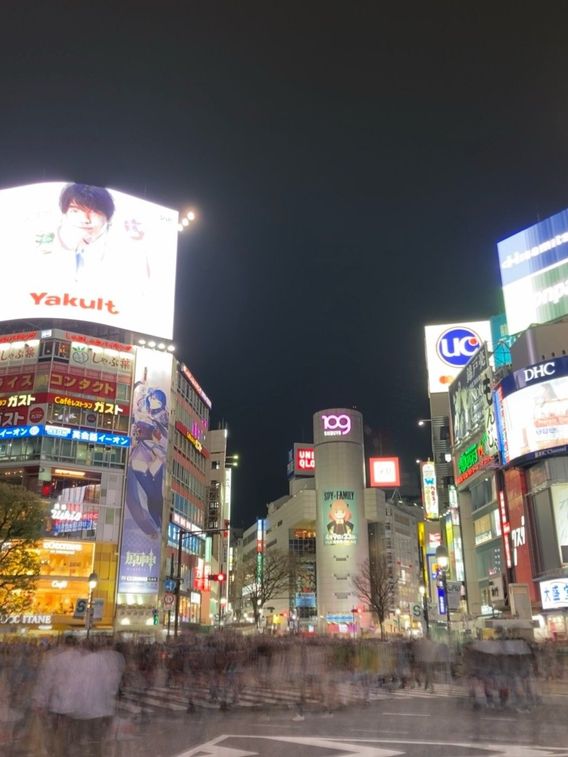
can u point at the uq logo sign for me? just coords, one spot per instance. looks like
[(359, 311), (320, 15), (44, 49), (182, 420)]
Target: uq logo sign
[(456, 346), (336, 425)]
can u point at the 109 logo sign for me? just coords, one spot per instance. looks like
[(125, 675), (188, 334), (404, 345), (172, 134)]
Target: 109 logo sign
[(336, 425), (457, 346)]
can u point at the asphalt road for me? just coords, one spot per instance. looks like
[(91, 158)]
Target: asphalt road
[(433, 726)]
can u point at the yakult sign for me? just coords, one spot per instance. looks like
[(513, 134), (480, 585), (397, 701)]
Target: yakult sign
[(449, 348)]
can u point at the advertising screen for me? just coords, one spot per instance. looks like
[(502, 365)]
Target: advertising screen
[(534, 273), (384, 472), (90, 254), (532, 411), (145, 474), (449, 348)]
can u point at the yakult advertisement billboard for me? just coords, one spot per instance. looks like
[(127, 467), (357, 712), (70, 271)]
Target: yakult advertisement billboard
[(449, 348), (90, 254)]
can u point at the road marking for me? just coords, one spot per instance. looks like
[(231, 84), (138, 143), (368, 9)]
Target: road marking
[(407, 714)]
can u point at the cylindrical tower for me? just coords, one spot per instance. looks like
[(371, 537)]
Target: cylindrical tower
[(341, 530)]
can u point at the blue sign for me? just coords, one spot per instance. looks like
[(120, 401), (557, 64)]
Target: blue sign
[(457, 345), (63, 432), (442, 605), (339, 618), (170, 584)]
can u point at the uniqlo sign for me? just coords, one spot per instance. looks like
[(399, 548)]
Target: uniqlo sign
[(385, 472), (304, 460)]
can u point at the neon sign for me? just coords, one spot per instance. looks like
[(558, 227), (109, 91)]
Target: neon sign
[(336, 425)]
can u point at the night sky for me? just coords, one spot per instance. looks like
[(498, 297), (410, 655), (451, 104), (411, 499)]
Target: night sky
[(353, 165)]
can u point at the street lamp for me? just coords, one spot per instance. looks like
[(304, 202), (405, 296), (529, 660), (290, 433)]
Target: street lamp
[(443, 562), (93, 580), (422, 590), (424, 421)]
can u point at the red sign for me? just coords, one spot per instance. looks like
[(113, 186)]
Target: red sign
[(105, 344), (16, 383), (515, 487), (80, 384), (385, 472), (305, 459), (184, 431), (24, 336)]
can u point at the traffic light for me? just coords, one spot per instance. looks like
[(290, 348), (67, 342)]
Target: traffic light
[(220, 577), (156, 617), (227, 524)]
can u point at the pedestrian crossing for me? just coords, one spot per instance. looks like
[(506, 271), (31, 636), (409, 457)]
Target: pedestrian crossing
[(156, 699)]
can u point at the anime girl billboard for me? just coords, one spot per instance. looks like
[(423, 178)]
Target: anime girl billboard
[(144, 499), (338, 509)]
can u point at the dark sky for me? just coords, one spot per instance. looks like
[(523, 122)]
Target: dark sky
[(353, 165)]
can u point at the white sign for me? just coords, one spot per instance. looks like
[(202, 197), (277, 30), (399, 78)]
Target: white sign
[(429, 491), (449, 347), (90, 254), (169, 599), (554, 594)]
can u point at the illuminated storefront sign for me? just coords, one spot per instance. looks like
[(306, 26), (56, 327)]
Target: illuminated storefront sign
[(104, 272), (195, 384), (449, 347), (18, 383), (429, 491), (62, 432), (474, 458), (17, 400), (105, 408), (305, 459), (95, 342), (554, 594), (191, 438), (336, 425), (77, 383), (22, 336), (385, 471), (505, 529), (26, 620)]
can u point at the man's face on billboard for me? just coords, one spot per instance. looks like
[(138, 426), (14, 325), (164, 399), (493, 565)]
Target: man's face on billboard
[(88, 224)]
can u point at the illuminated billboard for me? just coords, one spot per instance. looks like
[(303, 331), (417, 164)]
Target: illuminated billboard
[(301, 461), (337, 425), (384, 472), (532, 411), (449, 348), (140, 552), (429, 490), (534, 273), (89, 254)]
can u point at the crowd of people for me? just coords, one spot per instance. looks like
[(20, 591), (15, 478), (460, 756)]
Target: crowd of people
[(61, 695)]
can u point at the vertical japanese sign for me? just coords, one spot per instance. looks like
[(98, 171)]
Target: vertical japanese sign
[(429, 491), (339, 508), (144, 497)]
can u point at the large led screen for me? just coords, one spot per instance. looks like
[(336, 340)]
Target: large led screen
[(532, 411), (534, 273), (87, 253)]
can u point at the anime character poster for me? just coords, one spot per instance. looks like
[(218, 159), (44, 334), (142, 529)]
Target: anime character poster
[(145, 474), (339, 508)]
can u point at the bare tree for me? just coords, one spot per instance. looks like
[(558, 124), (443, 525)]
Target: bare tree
[(269, 580), (21, 522), (375, 586)]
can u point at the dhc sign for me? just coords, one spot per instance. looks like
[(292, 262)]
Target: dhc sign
[(457, 346)]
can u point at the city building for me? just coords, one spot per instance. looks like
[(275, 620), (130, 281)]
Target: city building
[(98, 417), (331, 525)]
